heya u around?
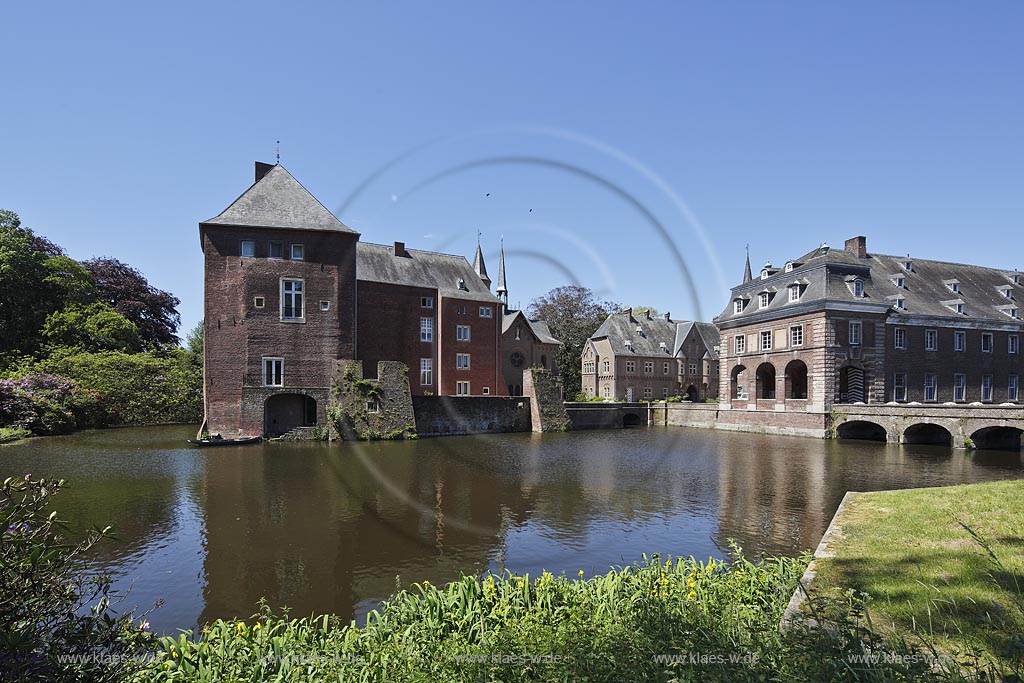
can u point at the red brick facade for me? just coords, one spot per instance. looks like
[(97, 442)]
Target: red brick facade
[(483, 348)]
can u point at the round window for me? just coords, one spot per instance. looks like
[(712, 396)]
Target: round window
[(516, 359)]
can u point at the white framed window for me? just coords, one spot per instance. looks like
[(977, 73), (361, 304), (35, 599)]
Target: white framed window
[(900, 281), (292, 300), (486, 391), (899, 338), (959, 341), (1011, 388), (741, 343), (648, 366), (959, 308), (462, 361), (462, 332), (325, 305), (794, 293), (796, 335), (630, 366), (953, 287), (462, 388), (426, 371), (248, 249), (606, 366), (856, 333), (931, 386), (986, 342), (273, 372), (1012, 343), (763, 299), (298, 252), (737, 306), (899, 387), (606, 392), (665, 368), (372, 406), (486, 312), (648, 393), (899, 303), (931, 340), (275, 249), (693, 369), (766, 340), (426, 302), (858, 288), (959, 387), (426, 329), (258, 302), (1007, 292), (907, 266), (986, 388)]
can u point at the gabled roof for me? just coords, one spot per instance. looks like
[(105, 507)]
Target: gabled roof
[(707, 333), (278, 200), (538, 328), (621, 327), (378, 263)]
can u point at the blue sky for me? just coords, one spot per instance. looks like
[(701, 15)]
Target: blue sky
[(781, 125)]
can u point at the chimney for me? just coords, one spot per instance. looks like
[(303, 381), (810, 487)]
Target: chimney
[(400, 249), (629, 313), (668, 316), (647, 314), (858, 246), (261, 170)]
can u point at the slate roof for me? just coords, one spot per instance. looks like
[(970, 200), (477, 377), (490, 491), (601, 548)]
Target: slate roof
[(539, 328), (278, 200), (378, 263), (826, 277), (620, 327)]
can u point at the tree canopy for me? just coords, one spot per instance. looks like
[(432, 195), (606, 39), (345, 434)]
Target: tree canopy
[(573, 313), (123, 288)]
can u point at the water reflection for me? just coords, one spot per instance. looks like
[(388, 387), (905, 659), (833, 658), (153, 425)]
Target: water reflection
[(328, 528)]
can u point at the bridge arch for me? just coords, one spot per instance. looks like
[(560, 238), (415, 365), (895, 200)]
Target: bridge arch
[(283, 412), (796, 379), (765, 379), (631, 418), (861, 430), (737, 382), (927, 433), (998, 438)]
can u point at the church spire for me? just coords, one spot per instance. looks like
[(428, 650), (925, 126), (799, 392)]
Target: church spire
[(747, 276), (478, 263), (502, 290)]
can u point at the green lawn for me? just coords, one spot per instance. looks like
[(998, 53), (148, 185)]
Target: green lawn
[(943, 565)]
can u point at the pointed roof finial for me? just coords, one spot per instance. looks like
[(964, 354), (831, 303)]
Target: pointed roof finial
[(478, 262), (277, 151), (747, 275), (502, 289)]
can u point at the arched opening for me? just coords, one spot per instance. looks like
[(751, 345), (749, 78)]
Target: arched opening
[(927, 433), (862, 430), (284, 412), (796, 379), (544, 361), (998, 438), (851, 384), (631, 420), (737, 383), (692, 394), (766, 381)]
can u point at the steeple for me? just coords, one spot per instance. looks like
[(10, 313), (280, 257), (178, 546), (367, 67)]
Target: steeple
[(747, 276), (478, 263), (502, 290)]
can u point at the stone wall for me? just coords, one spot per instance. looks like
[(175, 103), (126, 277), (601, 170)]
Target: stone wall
[(687, 414), (453, 415), (547, 411), (371, 409)]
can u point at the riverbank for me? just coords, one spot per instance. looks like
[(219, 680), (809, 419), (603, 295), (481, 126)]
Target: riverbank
[(941, 567)]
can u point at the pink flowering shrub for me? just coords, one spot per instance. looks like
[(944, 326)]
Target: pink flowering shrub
[(50, 404)]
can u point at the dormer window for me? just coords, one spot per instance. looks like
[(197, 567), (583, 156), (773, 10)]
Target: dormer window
[(640, 330), (856, 286), (1007, 292), (907, 266), (1016, 278), (899, 302), (764, 274), (789, 268), (794, 293), (737, 306), (462, 285), (900, 281), (955, 305), (1009, 310), (952, 285), (629, 344), (763, 299)]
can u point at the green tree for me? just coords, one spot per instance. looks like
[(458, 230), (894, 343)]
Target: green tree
[(94, 327), (573, 313), (127, 291), (640, 310)]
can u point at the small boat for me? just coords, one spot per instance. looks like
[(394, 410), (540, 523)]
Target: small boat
[(220, 441)]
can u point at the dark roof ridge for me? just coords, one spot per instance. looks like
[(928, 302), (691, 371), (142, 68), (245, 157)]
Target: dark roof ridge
[(419, 251), (944, 263)]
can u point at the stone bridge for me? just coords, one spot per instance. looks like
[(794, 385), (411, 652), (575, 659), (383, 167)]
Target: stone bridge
[(980, 426), (598, 415)]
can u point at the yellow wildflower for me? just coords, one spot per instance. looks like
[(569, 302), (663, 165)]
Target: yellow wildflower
[(257, 627), (691, 595), (581, 573)]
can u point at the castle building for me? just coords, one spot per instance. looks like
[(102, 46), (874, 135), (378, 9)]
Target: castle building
[(525, 343), (647, 358), (845, 326), (290, 289)]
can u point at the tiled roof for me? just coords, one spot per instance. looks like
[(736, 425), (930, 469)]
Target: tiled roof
[(278, 200), (378, 263), (829, 278), (657, 336), (539, 328)]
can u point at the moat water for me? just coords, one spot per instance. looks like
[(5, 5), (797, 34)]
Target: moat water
[(336, 527)]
